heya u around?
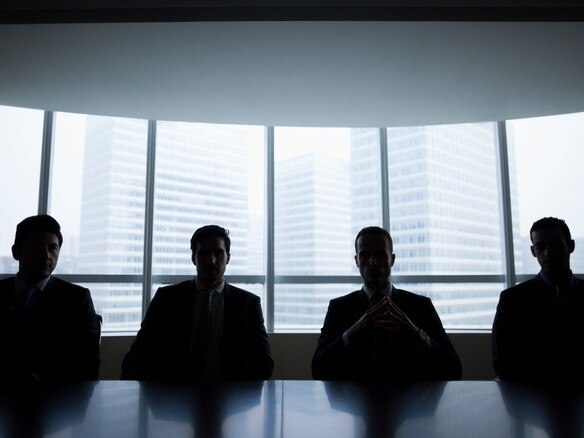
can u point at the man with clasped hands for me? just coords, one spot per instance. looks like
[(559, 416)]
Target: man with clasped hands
[(380, 332)]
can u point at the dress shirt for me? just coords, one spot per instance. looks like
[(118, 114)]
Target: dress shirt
[(20, 285), (566, 283), (385, 291)]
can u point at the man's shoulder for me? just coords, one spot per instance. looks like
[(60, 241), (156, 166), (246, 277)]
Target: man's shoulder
[(65, 287), (524, 287), (239, 293), (6, 290), (176, 289), (7, 282), (351, 297), (406, 298)]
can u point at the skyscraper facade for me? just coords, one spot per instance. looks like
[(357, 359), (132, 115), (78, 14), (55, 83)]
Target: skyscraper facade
[(445, 215), (201, 178), (443, 201), (312, 223)]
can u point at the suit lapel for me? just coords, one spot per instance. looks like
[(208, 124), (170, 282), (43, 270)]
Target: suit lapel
[(231, 311), (362, 301)]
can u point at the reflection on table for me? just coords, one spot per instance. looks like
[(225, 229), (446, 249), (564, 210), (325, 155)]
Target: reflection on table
[(290, 409)]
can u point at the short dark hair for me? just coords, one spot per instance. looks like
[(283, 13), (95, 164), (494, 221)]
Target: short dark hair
[(41, 223), (211, 231), (551, 223), (374, 230)]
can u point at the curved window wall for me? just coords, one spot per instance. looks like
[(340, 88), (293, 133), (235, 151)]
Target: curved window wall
[(458, 200)]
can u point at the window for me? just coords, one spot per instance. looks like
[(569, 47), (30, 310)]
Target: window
[(21, 134), (208, 174), (444, 215), (549, 158), (326, 189), (98, 196), (128, 202)]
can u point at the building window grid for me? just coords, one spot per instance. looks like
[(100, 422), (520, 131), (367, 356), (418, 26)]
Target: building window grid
[(269, 280)]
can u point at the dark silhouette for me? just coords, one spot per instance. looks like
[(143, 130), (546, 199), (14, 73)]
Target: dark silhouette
[(538, 327), (202, 329), (380, 332), (48, 327)]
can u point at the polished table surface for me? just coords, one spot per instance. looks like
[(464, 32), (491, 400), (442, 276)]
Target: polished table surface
[(290, 409)]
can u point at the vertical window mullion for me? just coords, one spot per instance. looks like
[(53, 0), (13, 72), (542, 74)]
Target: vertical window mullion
[(149, 215), (46, 162), (505, 204), (384, 177), (269, 205)]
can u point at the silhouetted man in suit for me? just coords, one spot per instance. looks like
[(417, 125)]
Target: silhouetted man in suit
[(48, 327), (538, 328), (204, 328), (381, 332)]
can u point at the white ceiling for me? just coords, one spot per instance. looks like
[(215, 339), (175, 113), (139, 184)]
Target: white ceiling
[(297, 73)]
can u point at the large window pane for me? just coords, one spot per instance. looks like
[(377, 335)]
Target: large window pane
[(208, 174), (549, 159), (119, 304), (21, 133), (304, 306), (98, 196), (461, 305), (444, 208), (327, 186)]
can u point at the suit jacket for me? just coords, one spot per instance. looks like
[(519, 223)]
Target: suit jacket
[(400, 358), (163, 344), (537, 337), (58, 339)]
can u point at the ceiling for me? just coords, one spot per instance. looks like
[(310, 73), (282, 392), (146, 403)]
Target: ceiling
[(41, 11), (314, 72)]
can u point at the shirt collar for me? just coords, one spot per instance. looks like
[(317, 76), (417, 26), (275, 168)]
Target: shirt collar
[(550, 282), (387, 290), (20, 284), (200, 286)]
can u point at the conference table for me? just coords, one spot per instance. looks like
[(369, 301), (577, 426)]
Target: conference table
[(290, 408)]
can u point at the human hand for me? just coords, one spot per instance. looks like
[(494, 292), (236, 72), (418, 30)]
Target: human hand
[(396, 319), (373, 317)]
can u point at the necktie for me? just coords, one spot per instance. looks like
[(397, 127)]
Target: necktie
[(562, 297), (207, 336), (25, 299)]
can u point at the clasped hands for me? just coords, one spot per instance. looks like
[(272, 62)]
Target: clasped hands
[(385, 315)]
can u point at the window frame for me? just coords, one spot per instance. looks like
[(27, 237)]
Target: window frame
[(269, 279)]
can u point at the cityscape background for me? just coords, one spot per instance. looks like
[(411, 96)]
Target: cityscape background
[(443, 199)]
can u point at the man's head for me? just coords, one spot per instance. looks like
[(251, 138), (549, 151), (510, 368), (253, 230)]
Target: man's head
[(374, 256), (36, 246), (552, 245), (210, 246)]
